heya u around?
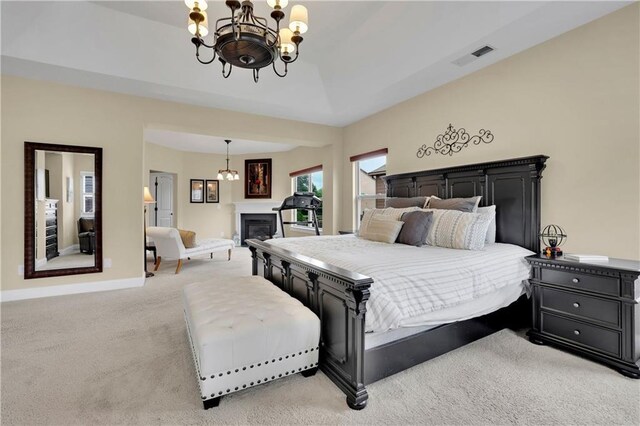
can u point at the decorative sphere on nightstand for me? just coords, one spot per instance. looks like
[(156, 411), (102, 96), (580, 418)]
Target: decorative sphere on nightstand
[(553, 236)]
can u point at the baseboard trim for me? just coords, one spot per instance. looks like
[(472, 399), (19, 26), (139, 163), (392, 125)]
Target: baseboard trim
[(66, 289)]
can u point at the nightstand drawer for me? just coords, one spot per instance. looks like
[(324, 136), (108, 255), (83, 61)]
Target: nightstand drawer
[(600, 339), (607, 311), (598, 284)]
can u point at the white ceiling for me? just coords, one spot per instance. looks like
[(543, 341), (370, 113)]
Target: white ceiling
[(358, 58)]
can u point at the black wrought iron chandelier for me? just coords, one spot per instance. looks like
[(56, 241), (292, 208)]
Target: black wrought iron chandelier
[(247, 41), (228, 173)]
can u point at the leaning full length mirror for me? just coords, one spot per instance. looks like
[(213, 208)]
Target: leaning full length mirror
[(63, 215)]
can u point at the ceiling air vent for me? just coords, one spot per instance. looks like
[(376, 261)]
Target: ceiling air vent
[(467, 59), (482, 51)]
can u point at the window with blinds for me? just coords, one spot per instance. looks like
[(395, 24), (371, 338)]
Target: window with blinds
[(88, 193), (369, 169)]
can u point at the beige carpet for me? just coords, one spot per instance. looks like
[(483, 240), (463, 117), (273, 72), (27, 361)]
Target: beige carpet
[(122, 357), (69, 260)]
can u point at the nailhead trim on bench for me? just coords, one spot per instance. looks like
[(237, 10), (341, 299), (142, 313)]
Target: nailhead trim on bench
[(266, 379), (237, 370)]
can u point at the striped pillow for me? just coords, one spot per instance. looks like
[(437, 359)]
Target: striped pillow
[(459, 230), (388, 213), (382, 229)]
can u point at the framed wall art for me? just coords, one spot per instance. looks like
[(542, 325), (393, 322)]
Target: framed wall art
[(257, 178), (197, 190), (213, 195)]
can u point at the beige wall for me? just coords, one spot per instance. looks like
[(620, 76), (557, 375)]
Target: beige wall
[(70, 230), (574, 98), (46, 112)]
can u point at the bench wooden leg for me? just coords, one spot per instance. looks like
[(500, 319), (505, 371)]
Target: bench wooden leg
[(158, 263), (209, 403), (310, 372), (179, 266), (229, 255)]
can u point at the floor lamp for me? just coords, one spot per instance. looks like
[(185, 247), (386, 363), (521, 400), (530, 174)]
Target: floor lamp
[(148, 199)]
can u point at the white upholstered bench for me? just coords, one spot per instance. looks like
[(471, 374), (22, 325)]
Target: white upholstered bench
[(245, 332), (169, 246)]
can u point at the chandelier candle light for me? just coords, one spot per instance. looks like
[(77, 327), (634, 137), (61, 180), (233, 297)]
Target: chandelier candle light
[(246, 40), (227, 173)]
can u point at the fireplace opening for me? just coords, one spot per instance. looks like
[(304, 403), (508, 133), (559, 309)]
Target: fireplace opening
[(257, 226)]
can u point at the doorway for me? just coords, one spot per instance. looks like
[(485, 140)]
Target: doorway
[(163, 187)]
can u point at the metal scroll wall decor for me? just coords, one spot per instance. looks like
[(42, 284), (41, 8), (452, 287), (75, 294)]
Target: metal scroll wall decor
[(453, 140)]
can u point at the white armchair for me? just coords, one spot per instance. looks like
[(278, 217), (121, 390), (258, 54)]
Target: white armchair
[(169, 246)]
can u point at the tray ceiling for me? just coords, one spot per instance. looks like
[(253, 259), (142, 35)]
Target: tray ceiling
[(358, 57)]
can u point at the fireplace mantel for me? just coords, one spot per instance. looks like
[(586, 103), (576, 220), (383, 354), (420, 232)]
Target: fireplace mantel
[(255, 207)]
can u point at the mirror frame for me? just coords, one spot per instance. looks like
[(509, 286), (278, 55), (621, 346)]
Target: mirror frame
[(30, 149)]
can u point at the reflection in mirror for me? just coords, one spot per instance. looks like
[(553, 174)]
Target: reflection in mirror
[(62, 210)]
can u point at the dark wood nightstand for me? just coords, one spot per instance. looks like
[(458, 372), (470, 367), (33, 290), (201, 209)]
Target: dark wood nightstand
[(588, 308)]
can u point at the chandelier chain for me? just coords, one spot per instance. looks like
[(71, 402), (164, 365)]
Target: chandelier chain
[(227, 173)]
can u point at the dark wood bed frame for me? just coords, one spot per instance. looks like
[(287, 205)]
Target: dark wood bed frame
[(339, 297)]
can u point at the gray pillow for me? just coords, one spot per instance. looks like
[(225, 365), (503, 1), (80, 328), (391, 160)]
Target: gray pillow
[(469, 205), (400, 203), (415, 229)]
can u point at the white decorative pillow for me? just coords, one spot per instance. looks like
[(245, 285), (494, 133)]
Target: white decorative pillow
[(384, 230), (459, 230), (388, 213), (491, 232)]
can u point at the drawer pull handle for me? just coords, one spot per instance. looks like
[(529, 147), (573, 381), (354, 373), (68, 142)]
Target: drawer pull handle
[(575, 280), (576, 305), (576, 332)]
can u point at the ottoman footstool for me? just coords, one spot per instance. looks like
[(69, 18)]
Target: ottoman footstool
[(245, 332)]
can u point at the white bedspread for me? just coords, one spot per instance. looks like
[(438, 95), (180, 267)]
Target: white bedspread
[(410, 282)]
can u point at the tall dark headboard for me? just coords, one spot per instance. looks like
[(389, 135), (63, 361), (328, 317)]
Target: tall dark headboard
[(512, 185)]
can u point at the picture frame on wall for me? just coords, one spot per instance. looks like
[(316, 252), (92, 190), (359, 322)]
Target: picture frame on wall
[(197, 190), (213, 193), (257, 178)]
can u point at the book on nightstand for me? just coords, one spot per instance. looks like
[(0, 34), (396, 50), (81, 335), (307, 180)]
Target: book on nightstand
[(586, 257)]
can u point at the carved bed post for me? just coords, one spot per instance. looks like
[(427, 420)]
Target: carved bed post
[(356, 301), (312, 292), (254, 261), (536, 177), (267, 266), (286, 276)]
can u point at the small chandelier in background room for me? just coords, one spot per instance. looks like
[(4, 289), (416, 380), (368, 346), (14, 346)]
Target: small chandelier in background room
[(246, 40), (227, 173)]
